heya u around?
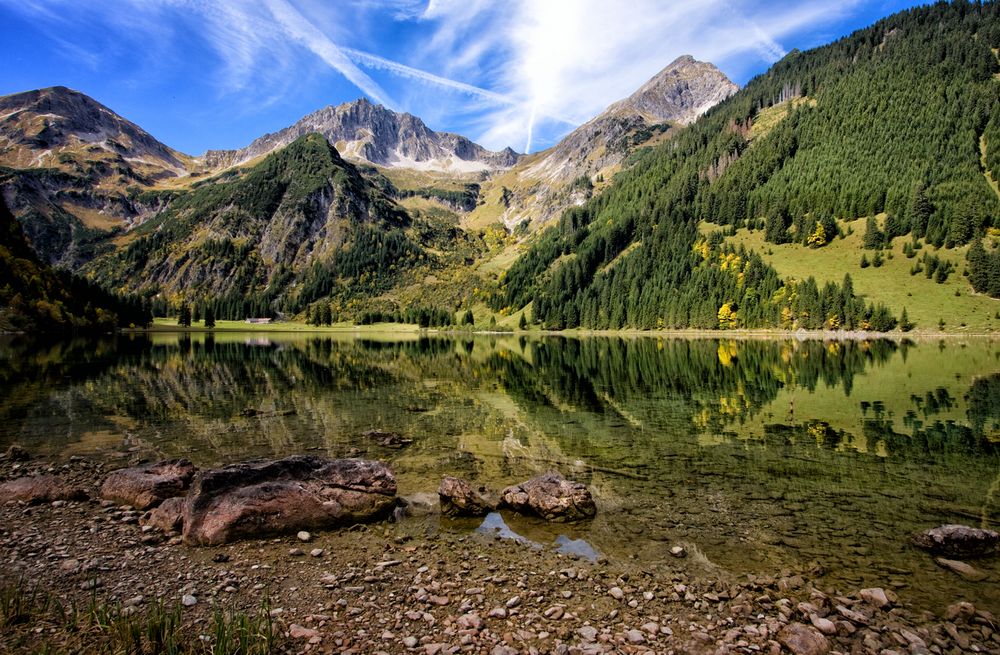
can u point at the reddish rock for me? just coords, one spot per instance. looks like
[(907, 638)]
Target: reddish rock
[(958, 541), (802, 639), (552, 497), (40, 489), (253, 499), (459, 498), (168, 516), (144, 487)]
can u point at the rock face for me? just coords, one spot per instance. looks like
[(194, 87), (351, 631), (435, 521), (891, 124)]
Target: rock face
[(552, 497), (958, 541), (144, 487), (362, 130), (40, 489), (285, 496), (459, 498)]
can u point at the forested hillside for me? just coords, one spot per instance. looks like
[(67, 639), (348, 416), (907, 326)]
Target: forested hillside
[(300, 226), (899, 120), (35, 297)]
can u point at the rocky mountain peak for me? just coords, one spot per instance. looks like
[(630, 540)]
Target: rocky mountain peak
[(373, 133), (682, 91), (34, 125)]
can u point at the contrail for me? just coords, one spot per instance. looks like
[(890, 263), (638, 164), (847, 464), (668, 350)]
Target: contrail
[(300, 29), (381, 63), (531, 127)]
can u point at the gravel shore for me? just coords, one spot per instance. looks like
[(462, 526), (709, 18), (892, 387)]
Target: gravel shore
[(420, 586)]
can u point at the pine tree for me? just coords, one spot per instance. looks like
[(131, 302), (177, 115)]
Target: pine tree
[(468, 319), (522, 323), (326, 316), (209, 317), (184, 315)]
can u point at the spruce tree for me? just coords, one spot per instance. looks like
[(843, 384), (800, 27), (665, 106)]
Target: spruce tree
[(184, 315), (209, 317)]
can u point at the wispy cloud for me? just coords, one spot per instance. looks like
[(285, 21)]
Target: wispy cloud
[(518, 72)]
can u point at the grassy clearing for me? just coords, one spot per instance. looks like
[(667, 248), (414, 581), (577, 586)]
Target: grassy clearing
[(926, 301), (769, 117), (36, 621)]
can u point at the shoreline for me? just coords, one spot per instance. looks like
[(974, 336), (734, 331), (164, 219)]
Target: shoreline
[(431, 585)]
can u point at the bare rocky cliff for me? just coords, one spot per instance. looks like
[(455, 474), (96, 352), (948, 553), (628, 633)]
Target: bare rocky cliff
[(364, 131)]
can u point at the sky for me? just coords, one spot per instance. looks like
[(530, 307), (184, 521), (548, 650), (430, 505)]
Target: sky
[(214, 74)]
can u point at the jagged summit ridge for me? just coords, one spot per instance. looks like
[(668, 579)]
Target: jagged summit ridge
[(365, 131), (680, 93)]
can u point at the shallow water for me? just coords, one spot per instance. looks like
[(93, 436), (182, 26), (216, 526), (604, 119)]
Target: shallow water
[(756, 455)]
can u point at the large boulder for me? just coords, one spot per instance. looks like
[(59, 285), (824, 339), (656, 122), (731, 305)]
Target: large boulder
[(40, 489), (958, 541), (803, 639), (168, 516), (254, 499), (459, 498), (144, 487), (552, 497)]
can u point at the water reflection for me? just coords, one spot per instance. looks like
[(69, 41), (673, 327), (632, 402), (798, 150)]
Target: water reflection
[(759, 454)]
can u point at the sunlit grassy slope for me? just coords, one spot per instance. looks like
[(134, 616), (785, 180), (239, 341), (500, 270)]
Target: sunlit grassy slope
[(926, 301)]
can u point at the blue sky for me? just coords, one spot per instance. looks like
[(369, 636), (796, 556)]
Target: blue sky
[(207, 74)]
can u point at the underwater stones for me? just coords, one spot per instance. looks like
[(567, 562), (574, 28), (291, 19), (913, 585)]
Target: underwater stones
[(40, 489), (459, 498), (16, 454), (144, 487), (252, 499), (955, 540), (966, 571), (552, 497)]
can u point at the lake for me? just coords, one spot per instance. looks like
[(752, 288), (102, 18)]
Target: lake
[(757, 455)]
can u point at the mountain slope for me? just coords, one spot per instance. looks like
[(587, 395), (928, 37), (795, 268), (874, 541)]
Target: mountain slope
[(301, 225), (886, 120), (36, 298), (70, 170), (542, 185), (372, 133)]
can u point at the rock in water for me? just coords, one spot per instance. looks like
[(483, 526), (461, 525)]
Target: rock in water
[(40, 489), (967, 571), (17, 454), (144, 487), (552, 497), (802, 639), (285, 496), (958, 541), (168, 516), (459, 498)]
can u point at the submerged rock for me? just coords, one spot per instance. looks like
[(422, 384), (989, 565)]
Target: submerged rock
[(285, 496), (967, 571), (16, 454), (955, 540), (459, 498), (144, 487), (552, 497), (387, 439), (40, 489)]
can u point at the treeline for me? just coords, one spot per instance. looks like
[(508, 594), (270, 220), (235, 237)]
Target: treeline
[(984, 269), (36, 297), (423, 316), (892, 124), (464, 200)]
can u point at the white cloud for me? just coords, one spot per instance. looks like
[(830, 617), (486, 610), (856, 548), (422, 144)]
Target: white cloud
[(520, 72)]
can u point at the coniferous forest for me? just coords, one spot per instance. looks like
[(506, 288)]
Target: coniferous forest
[(893, 119)]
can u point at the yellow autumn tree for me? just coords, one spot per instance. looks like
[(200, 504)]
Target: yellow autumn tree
[(727, 317), (818, 238)]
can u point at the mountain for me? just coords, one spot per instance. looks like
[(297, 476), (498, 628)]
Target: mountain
[(813, 198), (36, 298), (71, 170), (540, 186), (300, 225), (363, 131)]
